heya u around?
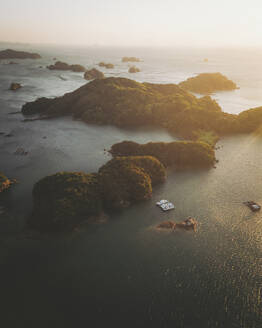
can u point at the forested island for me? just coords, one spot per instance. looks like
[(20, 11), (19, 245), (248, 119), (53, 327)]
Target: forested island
[(181, 154), (125, 103), (206, 83), (63, 200), (61, 66), (14, 54)]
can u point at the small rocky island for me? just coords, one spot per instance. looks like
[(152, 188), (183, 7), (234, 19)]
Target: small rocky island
[(61, 66), (106, 65), (93, 74), (65, 199), (5, 183), (14, 54), (133, 69), (207, 83), (130, 59), (187, 224), (15, 86)]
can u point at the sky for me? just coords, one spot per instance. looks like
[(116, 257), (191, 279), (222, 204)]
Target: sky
[(133, 22)]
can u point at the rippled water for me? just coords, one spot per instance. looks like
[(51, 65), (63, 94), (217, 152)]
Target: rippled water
[(125, 273)]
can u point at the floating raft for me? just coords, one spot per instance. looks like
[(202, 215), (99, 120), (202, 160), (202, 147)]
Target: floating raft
[(252, 205), (165, 205), (188, 224)]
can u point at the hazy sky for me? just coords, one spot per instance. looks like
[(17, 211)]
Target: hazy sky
[(132, 22)]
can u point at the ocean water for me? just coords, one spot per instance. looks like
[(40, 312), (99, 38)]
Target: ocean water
[(125, 273)]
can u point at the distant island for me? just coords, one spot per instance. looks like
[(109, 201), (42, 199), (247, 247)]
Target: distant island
[(130, 59), (126, 103), (133, 69), (11, 54), (106, 65), (61, 66), (206, 83)]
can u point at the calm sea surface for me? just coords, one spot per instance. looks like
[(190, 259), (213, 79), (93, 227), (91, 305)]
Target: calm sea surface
[(124, 273)]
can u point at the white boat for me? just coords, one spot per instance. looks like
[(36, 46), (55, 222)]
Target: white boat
[(161, 202), (165, 205)]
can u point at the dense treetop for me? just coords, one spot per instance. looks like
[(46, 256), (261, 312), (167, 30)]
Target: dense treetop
[(182, 154)]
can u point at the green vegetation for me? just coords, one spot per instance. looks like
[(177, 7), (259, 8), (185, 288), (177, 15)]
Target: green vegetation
[(182, 154), (206, 136), (5, 183), (63, 200), (124, 183), (207, 83)]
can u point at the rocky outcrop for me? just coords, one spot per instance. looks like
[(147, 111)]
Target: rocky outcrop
[(61, 66), (130, 59), (106, 65), (5, 183), (93, 74), (133, 69), (188, 224), (15, 86), (11, 54)]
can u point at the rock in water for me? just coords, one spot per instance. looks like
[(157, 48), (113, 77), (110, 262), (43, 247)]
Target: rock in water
[(15, 86), (133, 69), (61, 66)]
